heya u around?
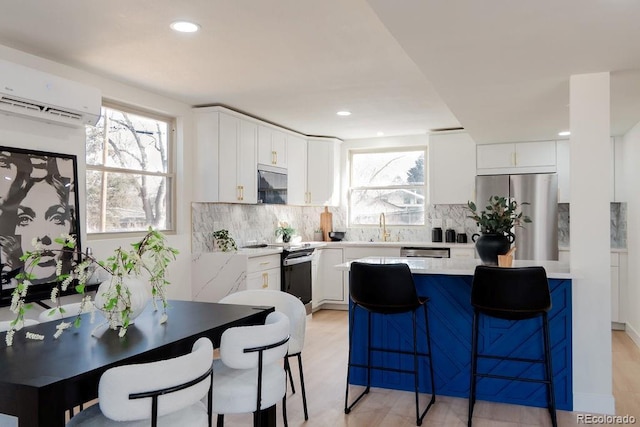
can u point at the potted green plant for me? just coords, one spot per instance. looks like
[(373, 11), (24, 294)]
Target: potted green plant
[(496, 221), (133, 275), (223, 241), (285, 231)]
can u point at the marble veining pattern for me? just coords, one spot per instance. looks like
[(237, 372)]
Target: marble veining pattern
[(618, 225)]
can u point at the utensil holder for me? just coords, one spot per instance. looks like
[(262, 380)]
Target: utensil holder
[(505, 260)]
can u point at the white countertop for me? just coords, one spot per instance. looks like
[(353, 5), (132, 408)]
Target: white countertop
[(460, 266), (419, 244)]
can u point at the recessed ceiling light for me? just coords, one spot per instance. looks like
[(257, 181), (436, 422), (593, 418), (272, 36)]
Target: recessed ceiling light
[(184, 26), (344, 113), (564, 133), (380, 133)]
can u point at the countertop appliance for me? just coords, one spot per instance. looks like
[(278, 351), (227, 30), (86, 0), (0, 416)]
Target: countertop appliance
[(537, 240), (412, 252), (296, 273), (272, 185)]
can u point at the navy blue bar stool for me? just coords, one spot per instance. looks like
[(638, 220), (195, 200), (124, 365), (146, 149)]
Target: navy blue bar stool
[(387, 289), (512, 294)]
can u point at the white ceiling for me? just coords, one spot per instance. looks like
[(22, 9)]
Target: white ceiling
[(500, 68)]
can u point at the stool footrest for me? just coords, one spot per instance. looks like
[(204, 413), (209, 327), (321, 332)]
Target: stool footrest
[(381, 368), (514, 359), (504, 377)]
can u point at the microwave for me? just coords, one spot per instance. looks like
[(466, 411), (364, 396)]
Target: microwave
[(272, 185)]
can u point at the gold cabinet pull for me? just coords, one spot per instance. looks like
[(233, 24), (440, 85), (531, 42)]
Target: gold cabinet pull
[(514, 158), (265, 280)]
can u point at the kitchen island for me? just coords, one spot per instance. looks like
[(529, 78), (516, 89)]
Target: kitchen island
[(447, 282)]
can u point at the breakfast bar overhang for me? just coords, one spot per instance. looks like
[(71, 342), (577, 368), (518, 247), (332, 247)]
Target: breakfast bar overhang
[(447, 283)]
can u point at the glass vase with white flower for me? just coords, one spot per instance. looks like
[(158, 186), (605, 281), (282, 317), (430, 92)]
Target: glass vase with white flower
[(115, 298)]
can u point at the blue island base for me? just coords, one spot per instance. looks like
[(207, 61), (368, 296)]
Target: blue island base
[(450, 321)]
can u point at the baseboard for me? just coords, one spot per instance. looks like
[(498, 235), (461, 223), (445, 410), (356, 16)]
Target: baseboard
[(591, 403), (633, 334), (618, 326), (329, 306)]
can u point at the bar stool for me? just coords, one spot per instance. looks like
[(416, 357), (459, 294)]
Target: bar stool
[(387, 289), (512, 294)]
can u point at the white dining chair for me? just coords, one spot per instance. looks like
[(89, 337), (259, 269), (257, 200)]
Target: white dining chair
[(5, 325), (166, 393), (249, 376), (295, 311), (68, 310)]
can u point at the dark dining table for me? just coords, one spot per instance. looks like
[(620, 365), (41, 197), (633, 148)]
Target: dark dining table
[(39, 380)]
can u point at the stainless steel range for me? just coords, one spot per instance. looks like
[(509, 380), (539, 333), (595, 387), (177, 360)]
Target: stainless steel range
[(296, 273)]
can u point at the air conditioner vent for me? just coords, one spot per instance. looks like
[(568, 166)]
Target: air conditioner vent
[(20, 104), (65, 114)]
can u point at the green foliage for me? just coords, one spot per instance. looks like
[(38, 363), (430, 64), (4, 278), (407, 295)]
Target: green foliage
[(224, 241), (499, 216), (285, 231)]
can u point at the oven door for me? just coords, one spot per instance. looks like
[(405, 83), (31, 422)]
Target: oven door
[(296, 277)]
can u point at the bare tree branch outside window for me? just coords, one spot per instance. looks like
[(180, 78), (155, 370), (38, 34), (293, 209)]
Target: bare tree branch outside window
[(128, 173)]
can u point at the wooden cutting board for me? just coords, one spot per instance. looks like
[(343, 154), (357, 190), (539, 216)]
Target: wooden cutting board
[(326, 223)]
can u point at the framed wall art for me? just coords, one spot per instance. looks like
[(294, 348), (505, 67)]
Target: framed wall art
[(38, 203)]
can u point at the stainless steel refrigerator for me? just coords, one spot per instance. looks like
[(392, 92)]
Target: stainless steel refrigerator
[(537, 240)]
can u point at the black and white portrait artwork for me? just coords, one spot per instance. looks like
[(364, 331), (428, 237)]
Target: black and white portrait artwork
[(38, 203)]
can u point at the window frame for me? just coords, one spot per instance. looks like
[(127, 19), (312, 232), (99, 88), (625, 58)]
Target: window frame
[(170, 174), (374, 150)]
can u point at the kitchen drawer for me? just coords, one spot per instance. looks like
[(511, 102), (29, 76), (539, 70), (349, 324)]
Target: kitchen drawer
[(467, 253), (261, 263), (269, 279), (356, 253)]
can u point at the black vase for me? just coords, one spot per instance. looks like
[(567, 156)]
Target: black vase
[(286, 238), (490, 245)]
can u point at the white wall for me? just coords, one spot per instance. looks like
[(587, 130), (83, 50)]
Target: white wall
[(31, 134), (631, 147), (590, 240)]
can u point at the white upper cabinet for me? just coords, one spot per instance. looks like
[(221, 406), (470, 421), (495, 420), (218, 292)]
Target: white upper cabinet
[(322, 167), (237, 168), (313, 165), (452, 168), (616, 181), (521, 157), (272, 147), (297, 171)]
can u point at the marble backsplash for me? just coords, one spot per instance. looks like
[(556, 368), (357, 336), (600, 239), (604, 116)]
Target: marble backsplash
[(250, 224)]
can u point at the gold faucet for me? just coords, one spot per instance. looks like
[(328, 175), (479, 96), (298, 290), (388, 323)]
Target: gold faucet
[(383, 224)]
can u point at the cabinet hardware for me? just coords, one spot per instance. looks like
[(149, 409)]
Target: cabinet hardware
[(265, 280), (514, 159), (238, 197), (265, 263)]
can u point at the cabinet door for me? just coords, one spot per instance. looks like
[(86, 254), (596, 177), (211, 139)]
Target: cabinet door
[(491, 156), (297, 171), (266, 279), (619, 187), (452, 164), (536, 154), (205, 176), (279, 148), (321, 169), (228, 188), (246, 162), (265, 151), (329, 277)]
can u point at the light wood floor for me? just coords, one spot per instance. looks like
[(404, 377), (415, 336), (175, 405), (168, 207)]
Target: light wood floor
[(325, 358)]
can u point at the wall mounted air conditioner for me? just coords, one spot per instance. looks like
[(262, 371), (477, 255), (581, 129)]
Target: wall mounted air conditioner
[(31, 93)]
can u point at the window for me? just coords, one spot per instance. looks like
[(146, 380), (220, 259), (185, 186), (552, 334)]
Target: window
[(129, 172), (389, 182)]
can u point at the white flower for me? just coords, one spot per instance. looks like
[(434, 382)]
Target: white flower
[(54, 295), (59, 268), (123, 332), (32, 336), (164, 318), (15, 300), (26, 284), (9, 337), (66, 282), (60, 327), (68, 238)]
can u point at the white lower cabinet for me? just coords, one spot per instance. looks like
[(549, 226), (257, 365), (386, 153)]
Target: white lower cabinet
[(330, 286), (618, 287), (264, 272)]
